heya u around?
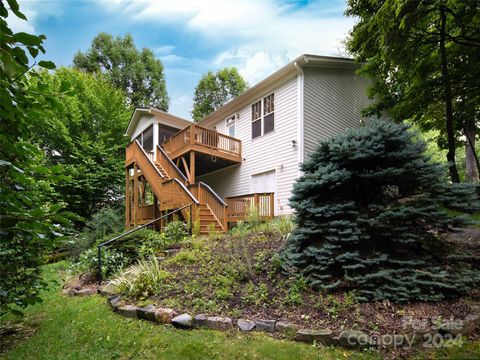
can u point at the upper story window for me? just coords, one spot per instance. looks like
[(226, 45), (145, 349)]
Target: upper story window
[(230, 125), (263, 116)]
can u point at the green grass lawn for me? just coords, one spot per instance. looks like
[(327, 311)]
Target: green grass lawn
[(85, 328)]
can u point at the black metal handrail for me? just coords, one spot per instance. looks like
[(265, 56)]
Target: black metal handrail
[(99, 247)]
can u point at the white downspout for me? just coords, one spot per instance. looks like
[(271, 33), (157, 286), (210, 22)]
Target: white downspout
[(300, 137)]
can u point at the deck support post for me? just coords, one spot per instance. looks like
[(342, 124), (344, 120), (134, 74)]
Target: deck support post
[(128, 200), (135, 194), (191, 178)]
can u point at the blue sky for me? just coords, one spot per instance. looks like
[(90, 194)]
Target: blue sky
[(191, 37)]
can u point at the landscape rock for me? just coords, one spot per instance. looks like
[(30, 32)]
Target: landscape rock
[(69, 291), (219, 323), (200, 320), (394, 340), (265, 325), (285, 327), (129, 311), (184, 321), (475, 309), (114, 301), (85, 291), (354, 339), (470, 324), (108, 290), (165, 315), (245, 325), (147, 313), (322, 336), (453, 327)]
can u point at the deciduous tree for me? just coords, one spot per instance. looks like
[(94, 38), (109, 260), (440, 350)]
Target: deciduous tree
[(425, 58), (136, 72), (84, 138), (215, 90), (29, 221)]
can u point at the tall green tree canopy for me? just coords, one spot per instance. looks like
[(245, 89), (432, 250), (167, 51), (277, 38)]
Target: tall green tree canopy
[(85, 139), (216, 89), (29, 221), (369, 210), (136, 72), (425, 58)]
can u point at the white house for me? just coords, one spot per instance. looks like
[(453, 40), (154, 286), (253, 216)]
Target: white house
[(247, 152)]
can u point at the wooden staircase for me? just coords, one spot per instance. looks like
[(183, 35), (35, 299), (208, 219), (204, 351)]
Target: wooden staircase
[(173, 190), (207, 218)]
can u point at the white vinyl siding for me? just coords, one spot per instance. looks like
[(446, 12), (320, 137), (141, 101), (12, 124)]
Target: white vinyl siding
[(333, 101), (272, 151), (143, 123)]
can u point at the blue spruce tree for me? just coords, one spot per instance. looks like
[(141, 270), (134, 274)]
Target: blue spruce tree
[(370, 210)]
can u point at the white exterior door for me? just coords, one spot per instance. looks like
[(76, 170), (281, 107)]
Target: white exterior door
[(264, 183)]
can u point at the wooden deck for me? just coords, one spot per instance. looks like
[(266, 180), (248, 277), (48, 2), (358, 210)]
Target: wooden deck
[(169, 188), (204, 141)]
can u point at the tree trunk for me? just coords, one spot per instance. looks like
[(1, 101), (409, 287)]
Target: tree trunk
[(447, 94), (471, 159)]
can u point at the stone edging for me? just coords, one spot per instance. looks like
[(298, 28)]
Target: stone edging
[(347, 338)]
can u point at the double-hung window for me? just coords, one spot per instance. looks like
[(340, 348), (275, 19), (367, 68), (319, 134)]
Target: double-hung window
[(263, 116), (230, 124)]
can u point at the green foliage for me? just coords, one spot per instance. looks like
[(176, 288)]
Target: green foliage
[(30, 220), (283, 225), (255, 294), (175, 231), (84, 139), (90, 330), (102, 226), (141, 280), (368, 208), (112, 262), (141, 243), (216, 89), (136, 72), (183, 257), (253, 216), (294, 295), (196, 228), (402, 41), (334, 306), (239, 248)]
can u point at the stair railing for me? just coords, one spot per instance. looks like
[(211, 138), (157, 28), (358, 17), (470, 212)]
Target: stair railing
[(169, 166), (99, 247), (206, 195)]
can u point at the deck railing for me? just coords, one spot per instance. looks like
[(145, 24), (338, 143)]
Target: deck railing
[(169, 166), (198, 135), (239, 207), (206, 195)]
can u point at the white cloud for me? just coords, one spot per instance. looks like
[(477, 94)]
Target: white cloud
[(164, 50), (18, 25), (261, 36), (32, 9), (180, 105)]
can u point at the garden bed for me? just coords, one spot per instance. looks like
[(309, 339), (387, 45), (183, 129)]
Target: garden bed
[(241, 278)]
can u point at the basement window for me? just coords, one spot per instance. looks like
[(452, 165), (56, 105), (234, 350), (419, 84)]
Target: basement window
[(263, 116)]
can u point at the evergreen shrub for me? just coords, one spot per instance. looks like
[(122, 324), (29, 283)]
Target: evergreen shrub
[(370, 211)]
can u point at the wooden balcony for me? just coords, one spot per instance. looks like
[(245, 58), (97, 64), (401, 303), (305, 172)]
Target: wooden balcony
[(213, 150)]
